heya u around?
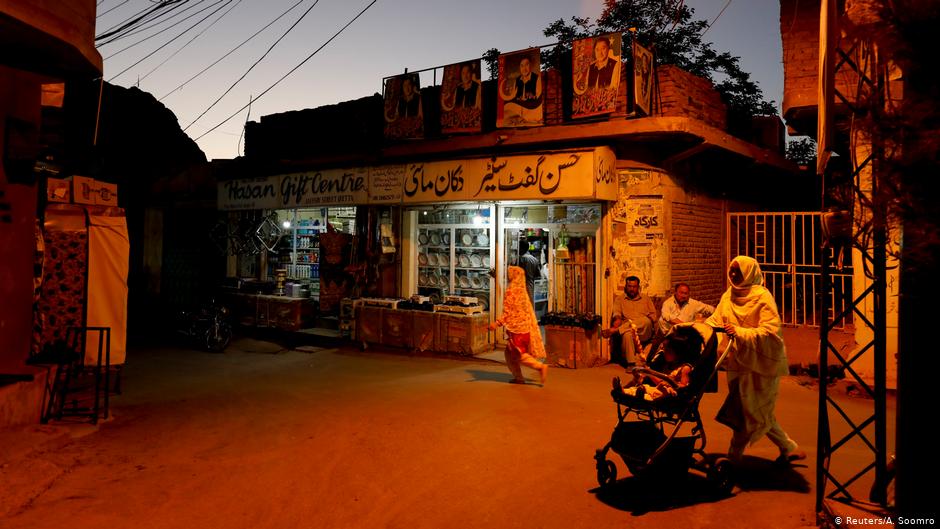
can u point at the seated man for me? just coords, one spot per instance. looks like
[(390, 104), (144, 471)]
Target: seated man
[(631, 325), (681, 308)]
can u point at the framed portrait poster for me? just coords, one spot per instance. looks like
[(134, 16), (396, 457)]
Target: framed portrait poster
[(595, 70), (403, 114), (461, 94), (520, 101), (642, 79)]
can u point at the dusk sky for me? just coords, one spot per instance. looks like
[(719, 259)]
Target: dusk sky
[(391, 36)]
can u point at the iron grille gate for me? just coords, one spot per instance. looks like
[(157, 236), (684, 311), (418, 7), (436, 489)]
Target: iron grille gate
[(789, 246)]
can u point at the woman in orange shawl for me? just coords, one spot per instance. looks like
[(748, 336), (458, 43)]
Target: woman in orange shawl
[(747, 311), (525, 340)]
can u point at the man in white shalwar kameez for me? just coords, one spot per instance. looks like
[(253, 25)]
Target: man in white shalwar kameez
[(747, 311)]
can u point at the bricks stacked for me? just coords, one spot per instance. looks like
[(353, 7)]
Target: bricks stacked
[(799, 31), (685, 95), (554, 101), (697, 257)]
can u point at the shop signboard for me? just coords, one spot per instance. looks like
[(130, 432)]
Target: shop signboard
[(587, 174), (606, 177), (595, 75), (385, 184), (549, 176), (315, 188)]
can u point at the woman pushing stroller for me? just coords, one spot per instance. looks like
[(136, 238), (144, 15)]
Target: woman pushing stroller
[(748, 313)]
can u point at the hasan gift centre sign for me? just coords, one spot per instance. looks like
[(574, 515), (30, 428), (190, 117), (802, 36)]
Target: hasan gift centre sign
[(582, 174)]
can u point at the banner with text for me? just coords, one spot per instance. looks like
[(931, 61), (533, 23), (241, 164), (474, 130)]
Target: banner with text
[(552, 176), (316, 188), (587, 174)]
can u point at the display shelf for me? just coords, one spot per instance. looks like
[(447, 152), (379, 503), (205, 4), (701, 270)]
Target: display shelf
[(473, 289), (478, 269)]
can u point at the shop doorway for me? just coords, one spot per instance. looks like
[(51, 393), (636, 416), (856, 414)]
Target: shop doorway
[(531, 249), (567, 280)]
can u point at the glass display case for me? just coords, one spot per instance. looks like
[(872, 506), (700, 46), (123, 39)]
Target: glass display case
[(455, 253)]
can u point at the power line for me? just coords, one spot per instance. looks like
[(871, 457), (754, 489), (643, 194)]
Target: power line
[(135, 19), (103, 13), (167, 43), (152, 22), (196, 36), (229, 89), (292, 70), (716, 18), (217, 61), (162, 31)]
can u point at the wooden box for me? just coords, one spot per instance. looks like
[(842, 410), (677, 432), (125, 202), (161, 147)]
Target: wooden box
[(424, 329), (290, 314), (397, 328), (84, 190), (106, 194), (573, 347), (466, 335), (58, 190), (369, 324)]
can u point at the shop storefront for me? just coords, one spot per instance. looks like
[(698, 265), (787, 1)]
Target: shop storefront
[(457, 221)]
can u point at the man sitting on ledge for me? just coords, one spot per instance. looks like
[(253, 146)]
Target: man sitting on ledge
[(631, 326)]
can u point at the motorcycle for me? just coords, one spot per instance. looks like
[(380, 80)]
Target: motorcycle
[(209, 326)]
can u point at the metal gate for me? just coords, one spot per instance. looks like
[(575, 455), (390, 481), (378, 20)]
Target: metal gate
[(788, 246)]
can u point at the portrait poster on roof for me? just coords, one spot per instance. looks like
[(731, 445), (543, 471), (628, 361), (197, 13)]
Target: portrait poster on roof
[(520, 101), (404, 117), (461, 96), (595, 70), (643, 67)]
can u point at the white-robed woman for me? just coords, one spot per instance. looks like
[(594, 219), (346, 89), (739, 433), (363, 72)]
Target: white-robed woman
[(747, 311), (524, 345)]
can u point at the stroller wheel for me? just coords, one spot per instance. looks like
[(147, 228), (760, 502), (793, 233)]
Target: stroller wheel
[(606, 473), (721, 475)]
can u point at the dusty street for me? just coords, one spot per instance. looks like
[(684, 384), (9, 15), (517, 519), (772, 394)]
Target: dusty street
[(349, 439)]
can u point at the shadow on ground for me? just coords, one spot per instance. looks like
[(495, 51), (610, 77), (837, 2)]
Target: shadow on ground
[(640, 496), (757, 473), (479, 375)]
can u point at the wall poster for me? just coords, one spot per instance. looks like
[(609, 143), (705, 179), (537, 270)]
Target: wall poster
[(520, 101), (404, 118), (643, 66), (595, 67), (461, 93)]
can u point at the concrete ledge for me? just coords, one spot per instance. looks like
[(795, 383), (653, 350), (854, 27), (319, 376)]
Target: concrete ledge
[(21, 402)]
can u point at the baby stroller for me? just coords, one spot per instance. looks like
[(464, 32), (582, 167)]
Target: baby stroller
[(650, 444)]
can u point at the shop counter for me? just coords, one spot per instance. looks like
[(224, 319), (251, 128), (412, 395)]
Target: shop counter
[(423, 331), (573, 347), (264, 310)]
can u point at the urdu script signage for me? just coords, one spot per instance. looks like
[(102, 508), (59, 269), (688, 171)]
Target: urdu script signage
[(586, 174)]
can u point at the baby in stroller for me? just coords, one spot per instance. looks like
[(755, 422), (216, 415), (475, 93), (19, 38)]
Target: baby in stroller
[(670, 366)]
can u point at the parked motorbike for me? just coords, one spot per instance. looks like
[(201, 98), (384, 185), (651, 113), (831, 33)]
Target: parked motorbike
[(209, 326)]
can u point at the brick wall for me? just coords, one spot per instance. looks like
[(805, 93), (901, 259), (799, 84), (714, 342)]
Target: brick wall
[(554, 98), (686, 95), (799, 32), (697, 257)]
